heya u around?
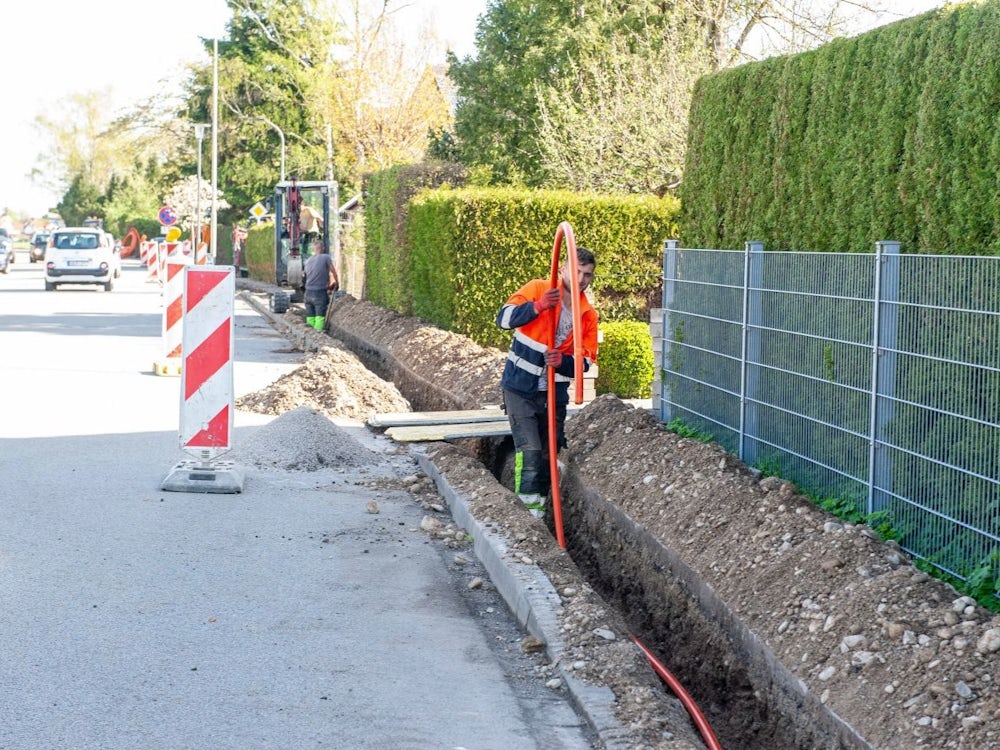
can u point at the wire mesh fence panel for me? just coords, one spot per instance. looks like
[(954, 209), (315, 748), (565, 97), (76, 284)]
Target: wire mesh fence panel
[(701, 367), (870, 379)]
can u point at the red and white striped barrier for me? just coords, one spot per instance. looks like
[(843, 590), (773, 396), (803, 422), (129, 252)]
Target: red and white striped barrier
[(201, 254), (207, 380), (173, 319), (207, 404), (154, 252)]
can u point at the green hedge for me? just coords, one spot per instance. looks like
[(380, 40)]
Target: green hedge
[(891, 135), (388, 265), (625, 360), (472, 248), (258, 255)]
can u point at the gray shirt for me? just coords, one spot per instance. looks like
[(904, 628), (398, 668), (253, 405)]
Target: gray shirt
[(317, 270)]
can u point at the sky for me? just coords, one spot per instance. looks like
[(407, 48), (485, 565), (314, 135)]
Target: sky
[(54, 48)]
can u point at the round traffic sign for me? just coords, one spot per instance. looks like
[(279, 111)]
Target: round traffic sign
[(167, 216)]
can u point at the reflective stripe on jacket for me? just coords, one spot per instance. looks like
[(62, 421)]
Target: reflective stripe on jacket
[(526, 359)]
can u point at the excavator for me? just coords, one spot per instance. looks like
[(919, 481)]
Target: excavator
[(303, 210)]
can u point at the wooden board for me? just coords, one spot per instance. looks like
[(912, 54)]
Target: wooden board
[(431, 432), (413, 418)]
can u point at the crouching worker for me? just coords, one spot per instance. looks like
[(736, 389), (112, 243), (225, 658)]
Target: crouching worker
[(531, 312), (321, 282)]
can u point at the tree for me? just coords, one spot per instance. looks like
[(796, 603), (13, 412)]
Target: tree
[(552, 75), (620, 124), (385, 95), (81, 148), (520, 45), (189, 196), (114, 168), (270, 69)]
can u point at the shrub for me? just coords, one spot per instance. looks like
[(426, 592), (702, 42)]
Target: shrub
[(626, 360)]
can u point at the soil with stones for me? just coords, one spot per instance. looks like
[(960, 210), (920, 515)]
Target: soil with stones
[(899, 657)]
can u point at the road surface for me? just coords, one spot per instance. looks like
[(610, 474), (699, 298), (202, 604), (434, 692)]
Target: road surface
[(283, 617)]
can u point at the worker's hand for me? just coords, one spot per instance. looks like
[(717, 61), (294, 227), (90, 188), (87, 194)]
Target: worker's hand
[(553, 357), (548, 300), (333, 287)]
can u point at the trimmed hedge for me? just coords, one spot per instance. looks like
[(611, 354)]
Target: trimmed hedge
[(388, 265), (258, 254), (891, 135), (470, 249), (627, 350)]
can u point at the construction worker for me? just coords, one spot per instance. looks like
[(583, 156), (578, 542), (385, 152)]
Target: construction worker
[(310, 225), (531, 312), (321, 281)]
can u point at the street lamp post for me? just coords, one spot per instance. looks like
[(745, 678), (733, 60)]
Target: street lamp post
[(281, 137), (199, 134)]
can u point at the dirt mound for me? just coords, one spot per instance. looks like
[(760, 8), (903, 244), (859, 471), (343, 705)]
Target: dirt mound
[(303, 439), (436, 369), (334, 382), (898, 655)]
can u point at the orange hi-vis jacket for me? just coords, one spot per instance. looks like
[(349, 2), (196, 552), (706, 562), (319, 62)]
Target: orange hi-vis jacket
[(525, 364)]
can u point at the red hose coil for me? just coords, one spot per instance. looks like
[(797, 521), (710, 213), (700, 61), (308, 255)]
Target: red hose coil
[(565, 231), (685, 698)]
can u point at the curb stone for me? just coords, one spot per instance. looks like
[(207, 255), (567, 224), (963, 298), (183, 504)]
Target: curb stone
[(535, 603)]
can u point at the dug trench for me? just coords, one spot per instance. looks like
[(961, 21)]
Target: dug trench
[(789, 628)]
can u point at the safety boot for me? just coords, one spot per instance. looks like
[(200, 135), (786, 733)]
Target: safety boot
[(535, 504)]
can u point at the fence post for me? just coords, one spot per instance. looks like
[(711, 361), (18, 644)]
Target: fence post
[(885, 324), (670, 252), (753, 282)]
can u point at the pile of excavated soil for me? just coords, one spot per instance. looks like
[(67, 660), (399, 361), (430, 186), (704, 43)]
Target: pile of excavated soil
[(897, 655), (333, 381), (303, 439)]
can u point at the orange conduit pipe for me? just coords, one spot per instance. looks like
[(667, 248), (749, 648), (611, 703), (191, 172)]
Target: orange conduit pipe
[(565, 231), (129, 242), (674, 684)]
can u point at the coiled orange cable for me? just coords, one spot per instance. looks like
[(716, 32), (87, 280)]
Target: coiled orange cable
[(565, 231)]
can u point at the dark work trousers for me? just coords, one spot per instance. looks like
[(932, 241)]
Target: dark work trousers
[(316, 303), (529, 426)]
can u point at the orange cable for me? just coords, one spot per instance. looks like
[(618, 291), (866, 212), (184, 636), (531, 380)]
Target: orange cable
[(685, 698), (564, 231)]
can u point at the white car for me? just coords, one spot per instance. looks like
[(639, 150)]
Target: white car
[(81, 255)]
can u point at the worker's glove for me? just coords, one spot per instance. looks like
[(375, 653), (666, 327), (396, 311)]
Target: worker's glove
[(553, 358), (548, 300)]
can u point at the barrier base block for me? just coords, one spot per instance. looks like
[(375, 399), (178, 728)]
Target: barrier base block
[(170, 366), (219, 477)]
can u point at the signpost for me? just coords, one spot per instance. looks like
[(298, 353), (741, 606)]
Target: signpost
[(167, 217)]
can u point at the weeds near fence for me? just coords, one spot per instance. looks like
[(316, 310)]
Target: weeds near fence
[(982, 583)]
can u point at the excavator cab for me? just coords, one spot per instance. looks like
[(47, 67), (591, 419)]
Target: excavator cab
[(303, 211)]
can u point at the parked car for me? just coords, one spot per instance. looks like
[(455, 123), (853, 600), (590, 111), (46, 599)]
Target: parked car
[(6, 254), (81, 255), (36, 251), (6, 251)]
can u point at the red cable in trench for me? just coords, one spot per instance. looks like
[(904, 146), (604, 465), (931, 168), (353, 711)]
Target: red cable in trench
[(685, 698), (566, 231)]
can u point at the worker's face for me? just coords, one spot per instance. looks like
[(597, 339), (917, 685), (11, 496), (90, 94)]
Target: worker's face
[(584, 275)]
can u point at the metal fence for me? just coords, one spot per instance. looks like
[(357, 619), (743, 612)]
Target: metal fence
[(869, 379)]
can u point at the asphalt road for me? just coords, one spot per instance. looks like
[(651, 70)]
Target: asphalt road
[(282, 617)]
